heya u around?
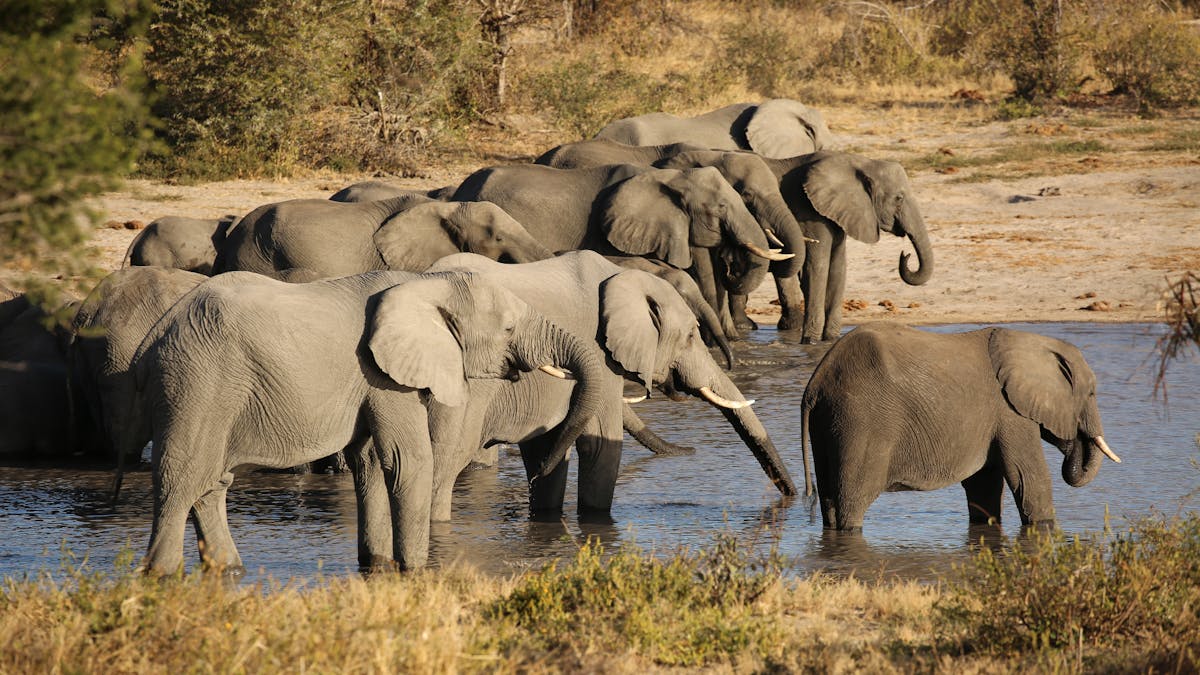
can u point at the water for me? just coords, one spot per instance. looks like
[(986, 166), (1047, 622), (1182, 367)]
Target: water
[(298, 526)]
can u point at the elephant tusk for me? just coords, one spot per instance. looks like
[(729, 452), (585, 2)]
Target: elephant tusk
[(769, 255), (773, 239), (811, 240), (1106, 450), (556, 372), (634, 399), (719, 401)]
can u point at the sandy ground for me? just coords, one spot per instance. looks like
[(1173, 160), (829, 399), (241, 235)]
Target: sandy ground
[(1041, 238)]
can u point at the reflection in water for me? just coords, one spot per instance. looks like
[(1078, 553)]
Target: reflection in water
[(290, 525)]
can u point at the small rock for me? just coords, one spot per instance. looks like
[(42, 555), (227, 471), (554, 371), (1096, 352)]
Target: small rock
[(134, 225), (888, 305), (1098, 306), (914, 305), (1017, 199), (114, 225), (1085, 296), (853, 305), (1049, 191)]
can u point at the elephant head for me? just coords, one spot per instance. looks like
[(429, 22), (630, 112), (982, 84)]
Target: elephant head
[(415, 238), (652, 335), (1047, 381), (865, 196), (664, 212)]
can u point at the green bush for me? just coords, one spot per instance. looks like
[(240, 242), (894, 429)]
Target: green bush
[(61, 139), (1150, 55), (587, 94), (1140, 588)]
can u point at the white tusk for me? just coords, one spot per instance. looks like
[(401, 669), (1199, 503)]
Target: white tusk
[(634, 399), (713, 398), (769, 255), (811, 240), (556, 372), (1106, 450), (773, 239)]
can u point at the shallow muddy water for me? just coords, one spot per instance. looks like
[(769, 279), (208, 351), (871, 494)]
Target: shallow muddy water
[(298, 526)]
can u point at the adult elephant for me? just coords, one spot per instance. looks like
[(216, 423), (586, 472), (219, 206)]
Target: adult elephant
[(180, 242), (249, 370), (105, 333), (832, 195), (894, 408), (646, 334), (776, 128), (376, 190), (625, 210), (305, 239), (749, 176)]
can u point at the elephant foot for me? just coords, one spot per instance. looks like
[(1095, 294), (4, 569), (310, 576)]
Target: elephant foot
[(790, 320), (376, 564)]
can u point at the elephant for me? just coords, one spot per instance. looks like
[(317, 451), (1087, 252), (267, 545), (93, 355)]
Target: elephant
[(832, 195), (894, 408), (646, 334), (375, 190), (182, 243), (753, 180), (775, 128), (250, 370), (306, 239), (36, 398), (107, 329), (624, 209)]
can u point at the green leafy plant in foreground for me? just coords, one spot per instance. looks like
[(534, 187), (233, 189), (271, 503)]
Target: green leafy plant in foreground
[(687, 610)]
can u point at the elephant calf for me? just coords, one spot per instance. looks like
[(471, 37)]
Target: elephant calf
[(892, 408)]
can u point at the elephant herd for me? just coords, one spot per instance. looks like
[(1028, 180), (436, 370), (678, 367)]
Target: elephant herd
[(398, 333)]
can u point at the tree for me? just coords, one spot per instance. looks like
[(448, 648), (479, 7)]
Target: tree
[(1183, 324)]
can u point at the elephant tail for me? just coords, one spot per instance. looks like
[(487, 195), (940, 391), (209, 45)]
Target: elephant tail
[(808, 483)]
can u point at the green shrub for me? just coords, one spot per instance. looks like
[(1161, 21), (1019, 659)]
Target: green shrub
[(688, 610), (1150, 55), (588, 93), (1140, 588)]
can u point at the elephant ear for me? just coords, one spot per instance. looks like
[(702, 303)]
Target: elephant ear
[(838, 191), (413, 239), (1041, 378), (642, 217), (412, 343), (643, 318), (783, 128)]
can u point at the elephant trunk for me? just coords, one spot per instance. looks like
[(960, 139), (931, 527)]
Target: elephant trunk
[(754, 435), (1082, 461), (773, 212), (551, 344), (914, 225)]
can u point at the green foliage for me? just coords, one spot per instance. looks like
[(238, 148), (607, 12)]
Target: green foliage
[(688, 610), (762, 53), (587, 94), (61, 139), (1150, 54), (1140, 588)]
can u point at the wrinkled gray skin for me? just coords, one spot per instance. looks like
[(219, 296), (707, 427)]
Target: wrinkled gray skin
[(623, 209), (306, 239), (892, 408), (106, 331), (182, 243), (648, 336), (832, 195), (376, 190), (249, 370), (754, 182), (775, 128), (37, 403)]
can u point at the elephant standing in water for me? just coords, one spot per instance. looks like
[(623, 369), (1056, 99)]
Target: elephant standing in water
[(776, 128), (643, 330), (892, 408), (306, 239), (249, 370), (179, 242)]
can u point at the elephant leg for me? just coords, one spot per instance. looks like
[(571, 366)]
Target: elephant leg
[(984, 489), (650, 440), (791, 302), (179, 481), (1026, 472), (704, 273), (374, 506), (407, 462), (737, 309), (814, 284), (455, 436), (858, 475), (599, 462), (835, 288), (217, 550), (546, 494)]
